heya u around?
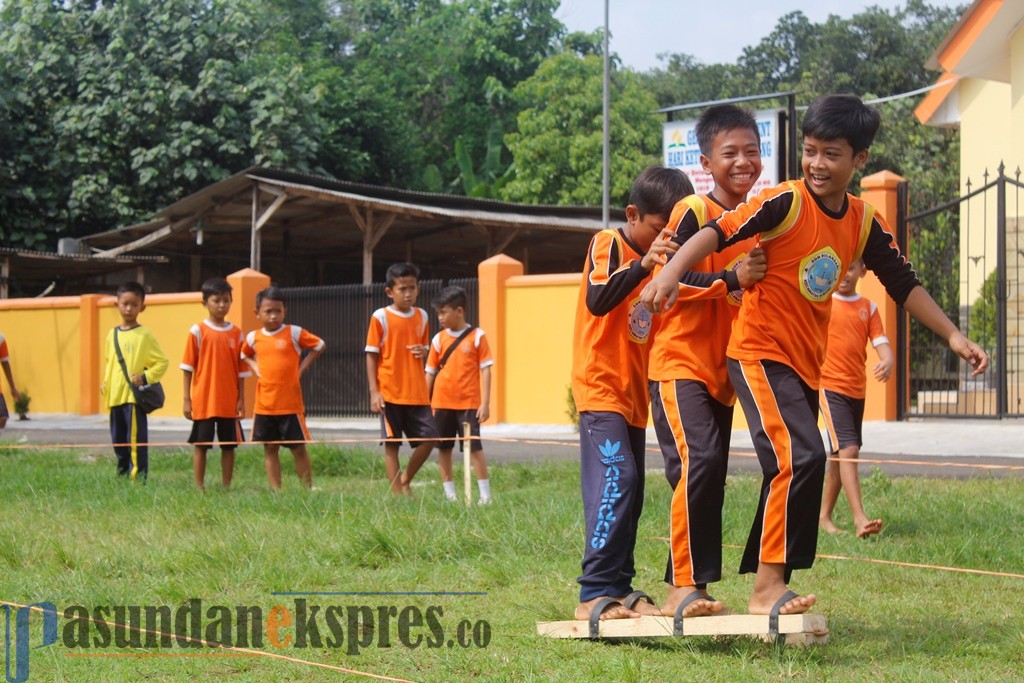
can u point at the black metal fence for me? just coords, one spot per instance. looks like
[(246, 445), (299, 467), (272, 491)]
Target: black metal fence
[(335, 385), (968, 254)]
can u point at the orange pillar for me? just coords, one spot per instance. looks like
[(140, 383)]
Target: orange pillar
[(879, 190), (245, 284), (493, 274), (91, 350)]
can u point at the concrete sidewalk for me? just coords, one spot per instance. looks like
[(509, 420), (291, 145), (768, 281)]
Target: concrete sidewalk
[(932, 438)]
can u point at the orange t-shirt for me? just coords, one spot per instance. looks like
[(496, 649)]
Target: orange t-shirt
[(855, 321), (610, 351), (400, 375), (4, 355), (278, 355), (808, 247), (457, 385), (692, 336), (212, 355)]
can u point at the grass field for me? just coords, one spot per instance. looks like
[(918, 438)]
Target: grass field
[(74, 535)]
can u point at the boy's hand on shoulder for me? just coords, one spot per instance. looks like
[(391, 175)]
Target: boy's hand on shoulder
[(660, 250), (970, 352), (753, 268)]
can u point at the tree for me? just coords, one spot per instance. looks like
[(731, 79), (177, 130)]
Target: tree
[(557, 146)]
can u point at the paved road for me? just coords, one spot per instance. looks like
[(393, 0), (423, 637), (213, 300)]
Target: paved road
[(937, 448)]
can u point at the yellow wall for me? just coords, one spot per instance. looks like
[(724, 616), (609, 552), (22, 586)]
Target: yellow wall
[(43, 345), (43, 338), (540, 313)]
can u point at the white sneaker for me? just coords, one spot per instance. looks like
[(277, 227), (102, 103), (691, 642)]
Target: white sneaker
[(484, 501), (451, 498)]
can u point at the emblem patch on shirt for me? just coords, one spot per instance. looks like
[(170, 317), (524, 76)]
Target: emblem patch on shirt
[(639, 321), (735, 298), (819, 274)]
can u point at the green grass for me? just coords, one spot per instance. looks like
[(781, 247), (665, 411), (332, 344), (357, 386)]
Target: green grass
[(73, 534)]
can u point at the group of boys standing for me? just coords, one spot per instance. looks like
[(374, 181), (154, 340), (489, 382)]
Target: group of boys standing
[(427, 405), (700, 300)]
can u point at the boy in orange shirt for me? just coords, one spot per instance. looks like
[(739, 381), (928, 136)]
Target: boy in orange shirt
[(609, 386), (811, 230), (461, 394), (274, 352), (213, 372), (855, 322), (396, 346), (691, 396)]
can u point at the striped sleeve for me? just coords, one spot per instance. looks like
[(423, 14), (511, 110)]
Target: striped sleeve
[(884, 259), (610, 274)]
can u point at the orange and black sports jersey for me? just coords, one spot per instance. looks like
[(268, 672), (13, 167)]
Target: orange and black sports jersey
[(457, 385), (4, 355), (692, 335), (808, 247), (278, 355), (399, 373), (610, 339), (855, 321), (213, 356)]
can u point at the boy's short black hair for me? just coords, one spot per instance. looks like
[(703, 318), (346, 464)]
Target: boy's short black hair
[(842, 117), (397, 270), (133, 287), (657, 189), (722, 118), (271, 293), (215, 286), (452, 296)]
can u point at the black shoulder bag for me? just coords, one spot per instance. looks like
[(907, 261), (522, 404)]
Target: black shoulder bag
[(148, 397), (450, 351)]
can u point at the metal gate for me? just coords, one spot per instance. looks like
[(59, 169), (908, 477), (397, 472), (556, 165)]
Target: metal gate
[(335, 385), (968, 254)]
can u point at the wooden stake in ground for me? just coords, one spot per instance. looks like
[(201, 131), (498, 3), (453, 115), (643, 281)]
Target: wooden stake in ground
[(467, 476)]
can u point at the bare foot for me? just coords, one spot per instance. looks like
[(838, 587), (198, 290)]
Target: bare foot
[(763, 604), (826, 524), (703, 606), (867, 527), (612, 611), (644, 608)]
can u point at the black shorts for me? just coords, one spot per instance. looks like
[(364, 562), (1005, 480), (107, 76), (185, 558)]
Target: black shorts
[(228, 432), (449, 425), (290, 428), (415, 422), (844, 419)]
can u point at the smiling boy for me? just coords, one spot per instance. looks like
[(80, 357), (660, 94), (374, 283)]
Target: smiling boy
[(811, 230)]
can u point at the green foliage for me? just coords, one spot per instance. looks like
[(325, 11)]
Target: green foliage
[(557, 145), (570, 408), (22, 403), (983, 319)]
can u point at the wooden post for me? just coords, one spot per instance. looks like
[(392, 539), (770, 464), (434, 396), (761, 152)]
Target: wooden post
[(467, 476), (879, 190), (493, 274), (254, 240)]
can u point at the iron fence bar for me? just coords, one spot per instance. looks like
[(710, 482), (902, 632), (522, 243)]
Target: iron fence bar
[(1001, 294)]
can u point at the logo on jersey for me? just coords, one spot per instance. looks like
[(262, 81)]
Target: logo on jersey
[(735, 298), (819, 274), (639, 321)]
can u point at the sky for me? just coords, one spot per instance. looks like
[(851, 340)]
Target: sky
[(707, 29)]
